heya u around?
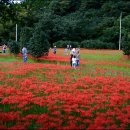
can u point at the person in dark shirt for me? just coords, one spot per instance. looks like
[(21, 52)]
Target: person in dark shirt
[(54, 51), (71, 56)]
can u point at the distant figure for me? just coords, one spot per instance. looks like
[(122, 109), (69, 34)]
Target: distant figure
[(66, 51), (73, 52), (54, 51), (77, 58), (71, 56), (24, 52), (70, 47), (74, 62), (77, 50), (4, 48)]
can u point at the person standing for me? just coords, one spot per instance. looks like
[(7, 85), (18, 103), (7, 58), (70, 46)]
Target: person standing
[(66, 51), (74, 62), (54, 51), (70, 47), (73, 52), (71, 56), (77, 58), (24, 52), (4, 48)]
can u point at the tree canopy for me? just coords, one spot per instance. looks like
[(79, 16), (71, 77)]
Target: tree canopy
[(86, 22)]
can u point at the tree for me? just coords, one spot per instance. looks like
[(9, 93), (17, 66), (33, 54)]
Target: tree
[(70, 20), (7, 20), (25, 35), (126, 45), (39, 42), (14, 47)]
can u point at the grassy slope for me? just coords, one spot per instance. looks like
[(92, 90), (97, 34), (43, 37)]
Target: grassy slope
[(104, 59)]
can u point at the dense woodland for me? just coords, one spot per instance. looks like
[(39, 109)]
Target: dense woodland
[(81, 23)]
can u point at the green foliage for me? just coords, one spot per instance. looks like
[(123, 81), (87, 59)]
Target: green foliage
[(67, 20), (64, 7), (7, 20), (126, 45), (111, 34), (25, 36), (63, 44), (6, 11), (14, 47), (126, 37), (39, 42), (97, 44)]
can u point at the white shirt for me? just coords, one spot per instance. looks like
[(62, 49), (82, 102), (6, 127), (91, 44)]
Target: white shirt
[(73, 60), (24, 51)]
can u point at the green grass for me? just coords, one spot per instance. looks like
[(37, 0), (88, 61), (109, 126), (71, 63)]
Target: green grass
[(97, 57), (12, 58), (9, 59), (36, 109), (117, 68), (92, 58), (5, 107)]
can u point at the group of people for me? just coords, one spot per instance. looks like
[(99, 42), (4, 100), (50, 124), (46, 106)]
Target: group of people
[(74, 57), (24, 52)]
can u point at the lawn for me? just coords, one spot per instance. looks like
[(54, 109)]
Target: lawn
[(46, 93)]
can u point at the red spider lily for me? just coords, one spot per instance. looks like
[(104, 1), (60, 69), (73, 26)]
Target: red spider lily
[(18, 127), (10, 116), (65, 98), (52, 57), (42, 118), (2, 127)]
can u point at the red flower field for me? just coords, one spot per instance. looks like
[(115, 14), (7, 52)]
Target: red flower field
[(54, 96)]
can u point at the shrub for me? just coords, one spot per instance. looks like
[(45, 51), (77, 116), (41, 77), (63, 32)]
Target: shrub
[(25, 36), (14, 47), (126, 45), (38, 44), (97, 44)]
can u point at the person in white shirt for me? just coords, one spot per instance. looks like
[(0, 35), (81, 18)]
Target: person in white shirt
[(74, 62), (73, 52)]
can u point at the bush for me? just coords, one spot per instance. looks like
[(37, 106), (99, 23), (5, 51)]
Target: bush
[(39, 42), (38, 45), (126, 48), (63, 44), (14, 47), (25, 35), (97, 44), (126, 45)]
